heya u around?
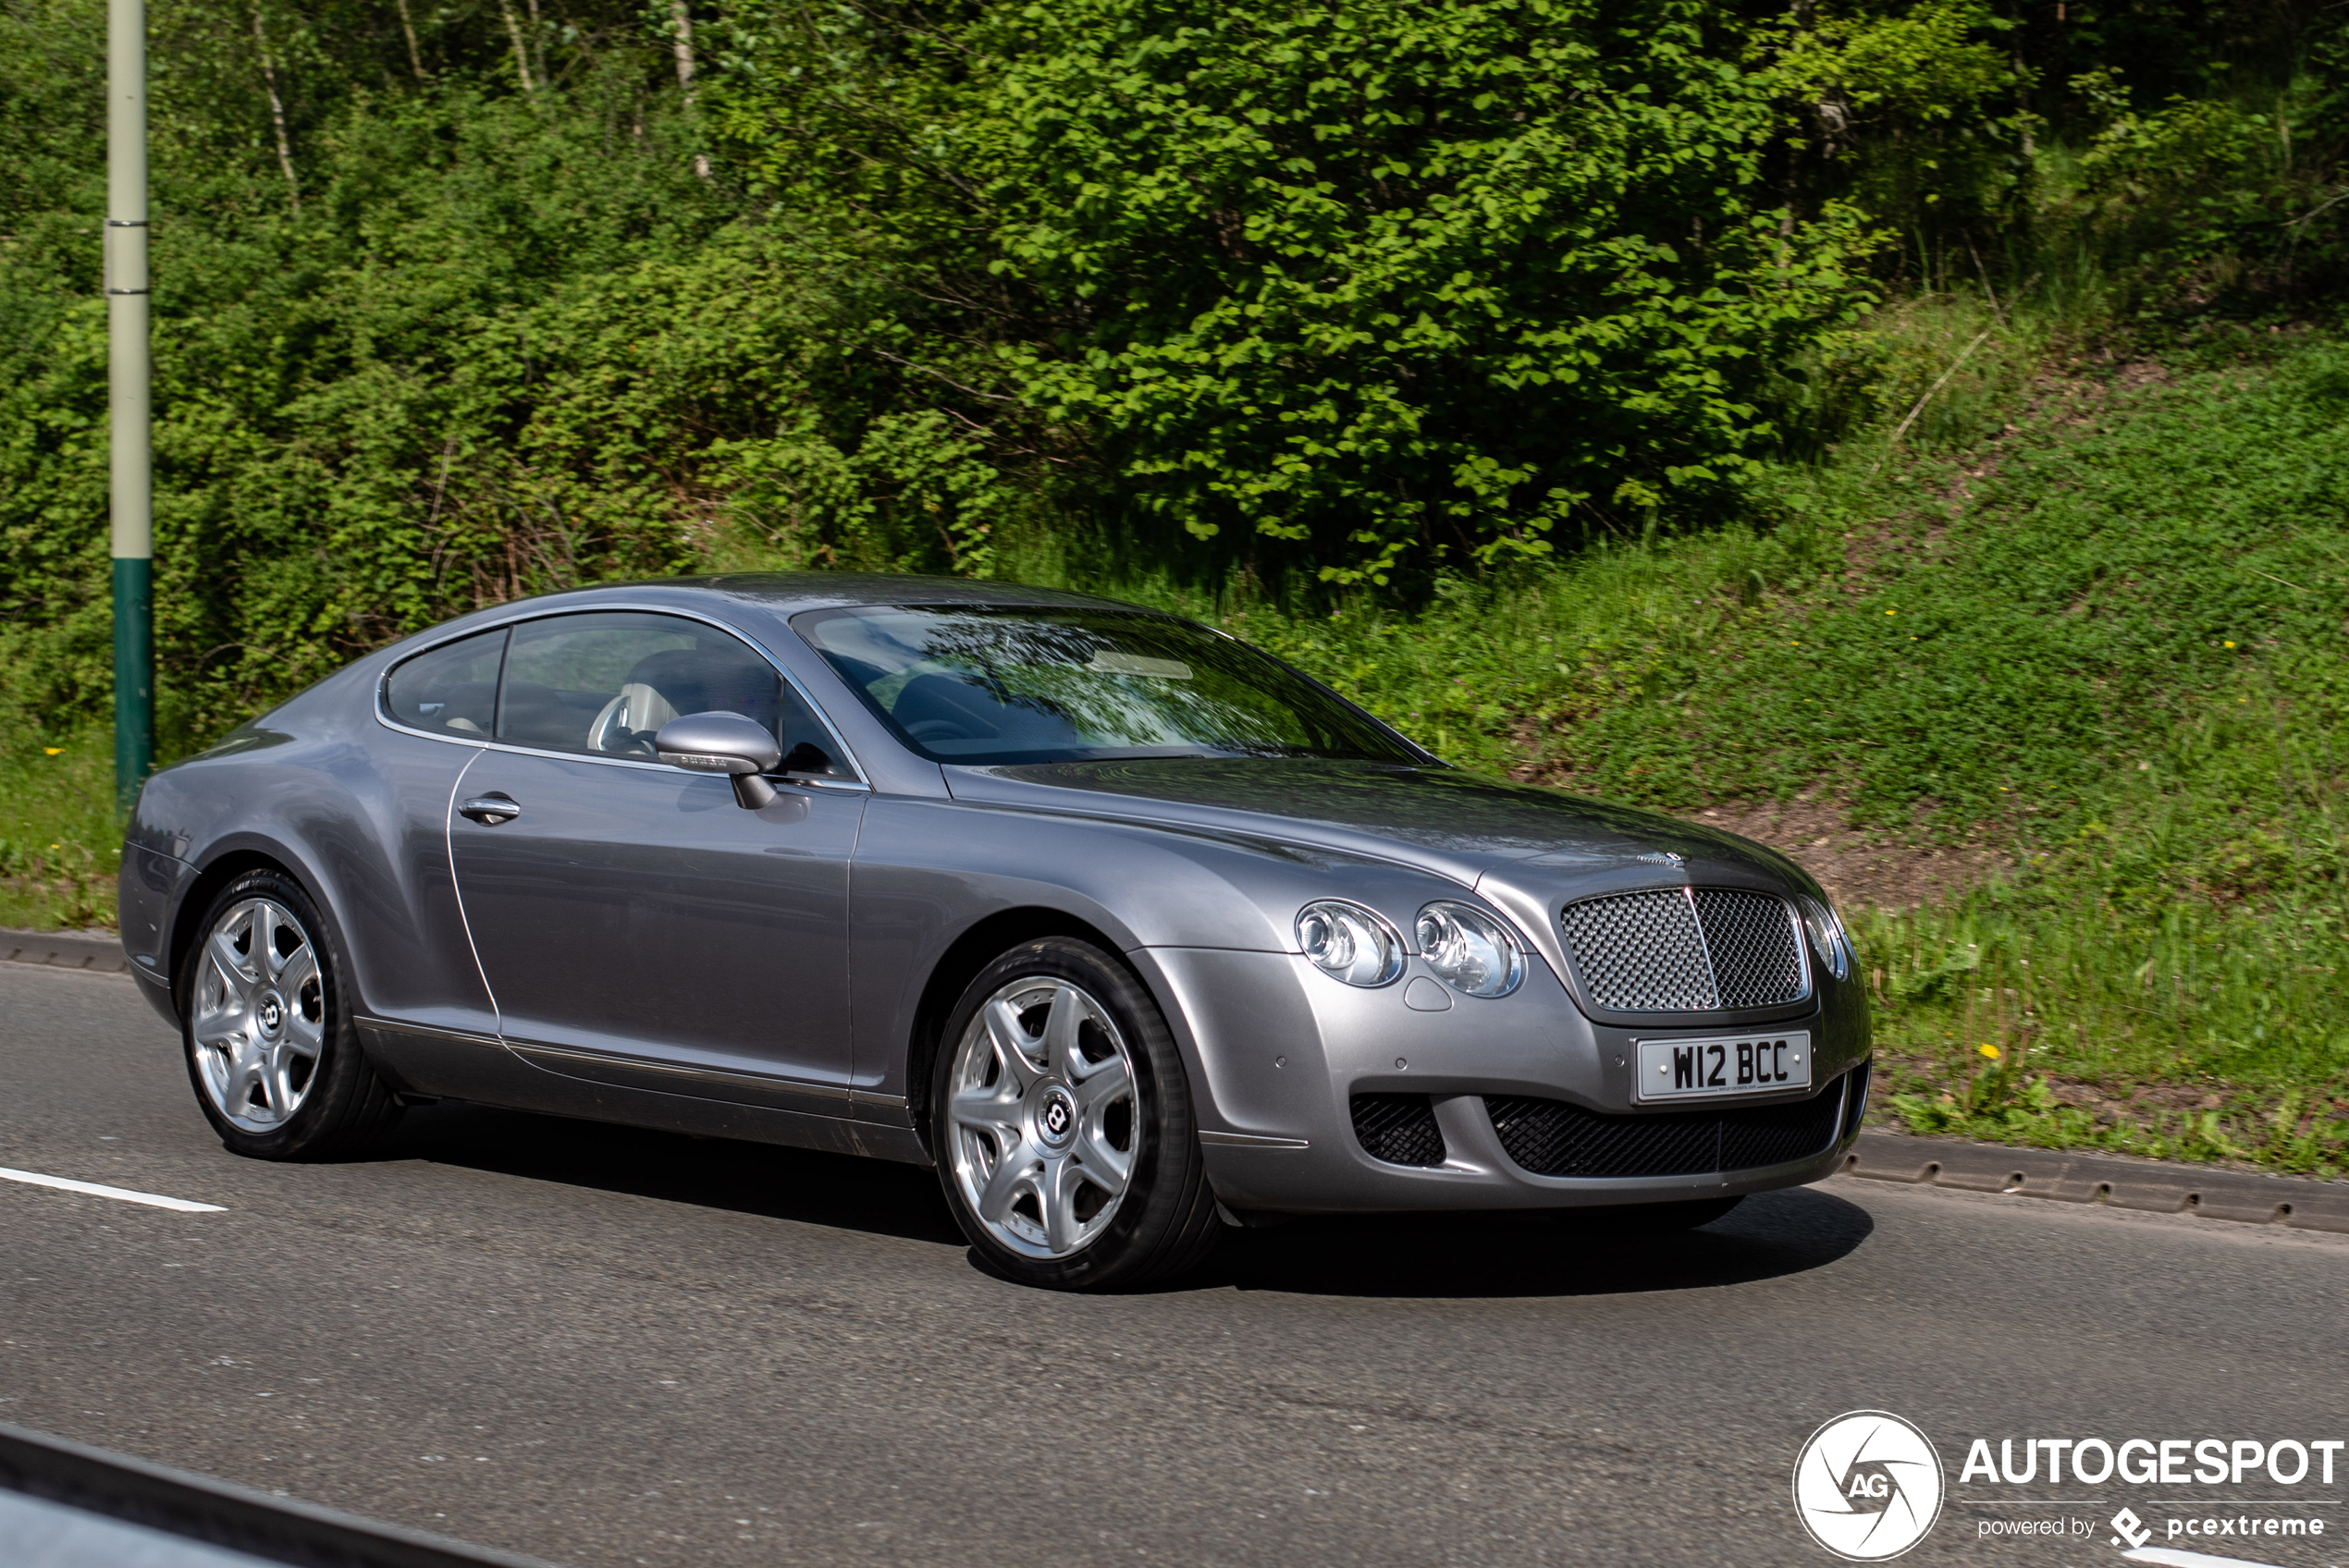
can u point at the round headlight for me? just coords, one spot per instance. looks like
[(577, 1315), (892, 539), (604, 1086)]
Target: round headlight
[(1469, 950), (1828, 939), (1349, 943)]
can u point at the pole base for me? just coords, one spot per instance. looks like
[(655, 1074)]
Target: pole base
[(134, 677)]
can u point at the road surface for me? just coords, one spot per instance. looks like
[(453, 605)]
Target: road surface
[(609, 1347)]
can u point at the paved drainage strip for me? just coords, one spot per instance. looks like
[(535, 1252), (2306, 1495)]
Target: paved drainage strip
[(2150, 1187), (100, 952)]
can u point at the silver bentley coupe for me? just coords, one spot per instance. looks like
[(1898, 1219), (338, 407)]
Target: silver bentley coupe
[(1131, 931)]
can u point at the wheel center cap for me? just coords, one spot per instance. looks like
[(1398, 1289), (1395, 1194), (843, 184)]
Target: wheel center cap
[(273, 1015), (1056, 1117)]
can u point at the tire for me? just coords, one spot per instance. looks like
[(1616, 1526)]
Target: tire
[(270, 1047), (1061, 1119)]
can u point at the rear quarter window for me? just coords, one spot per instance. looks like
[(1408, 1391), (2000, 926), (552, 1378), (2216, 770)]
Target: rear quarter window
[(452, 689)]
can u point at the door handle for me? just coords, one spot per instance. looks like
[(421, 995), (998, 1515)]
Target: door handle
[(489, 810)]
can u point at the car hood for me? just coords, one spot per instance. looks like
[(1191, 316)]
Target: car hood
[(1453, 822)]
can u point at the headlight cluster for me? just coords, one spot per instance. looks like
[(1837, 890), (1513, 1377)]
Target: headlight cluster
[(1469, 950), (1349, 943), (1829, 940)]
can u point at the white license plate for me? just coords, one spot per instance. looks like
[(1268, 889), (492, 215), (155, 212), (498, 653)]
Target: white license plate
[(1723, 1065)]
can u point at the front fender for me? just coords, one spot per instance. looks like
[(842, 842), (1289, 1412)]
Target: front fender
[(929, 871)]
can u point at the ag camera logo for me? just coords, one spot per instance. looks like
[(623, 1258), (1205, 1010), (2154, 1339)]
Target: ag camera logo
[(1867, 1486)]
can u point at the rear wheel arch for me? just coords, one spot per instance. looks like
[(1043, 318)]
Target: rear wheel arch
[(187, 919), (342, 1106)]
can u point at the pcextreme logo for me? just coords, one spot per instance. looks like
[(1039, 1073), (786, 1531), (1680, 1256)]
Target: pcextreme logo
[(1867, 1486)]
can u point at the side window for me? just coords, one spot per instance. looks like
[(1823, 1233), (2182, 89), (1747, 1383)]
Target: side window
[(453, 688), (605, 683)]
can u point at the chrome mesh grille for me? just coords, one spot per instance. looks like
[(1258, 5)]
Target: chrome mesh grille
[(1398, 1129), (1554, 1138), (1641, 952), (1682, 950), (1755, 962)]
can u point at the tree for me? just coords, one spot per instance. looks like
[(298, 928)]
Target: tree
[(1398, 282)]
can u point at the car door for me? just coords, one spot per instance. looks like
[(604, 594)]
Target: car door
[(429, 1020), (637, 927)]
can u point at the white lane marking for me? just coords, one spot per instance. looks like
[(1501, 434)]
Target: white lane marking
[(152, 1200)]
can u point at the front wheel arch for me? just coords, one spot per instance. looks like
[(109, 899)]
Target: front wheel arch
[(977, 948), (1166, 1217)]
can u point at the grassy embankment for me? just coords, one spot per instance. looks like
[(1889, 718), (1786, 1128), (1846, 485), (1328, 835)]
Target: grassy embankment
[(59, 843), (2105, 645)]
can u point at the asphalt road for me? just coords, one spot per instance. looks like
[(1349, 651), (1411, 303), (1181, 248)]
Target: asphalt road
[(602, 1346)]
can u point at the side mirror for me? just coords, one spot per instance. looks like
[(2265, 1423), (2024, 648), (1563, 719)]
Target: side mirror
[(722, 743)]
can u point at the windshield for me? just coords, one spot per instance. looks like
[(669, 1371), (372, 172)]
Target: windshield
[(978, 684)]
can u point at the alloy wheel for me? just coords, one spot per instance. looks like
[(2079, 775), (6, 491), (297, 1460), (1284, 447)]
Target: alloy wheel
[(1042, 1116), (260, 1016)]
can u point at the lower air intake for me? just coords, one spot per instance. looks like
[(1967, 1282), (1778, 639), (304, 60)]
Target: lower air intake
[(1554, 1138), (1775, 1134), (1398, 1129)]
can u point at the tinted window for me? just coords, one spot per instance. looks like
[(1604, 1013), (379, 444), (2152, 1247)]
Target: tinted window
[(606, 683), (452, 689), (986, 685)]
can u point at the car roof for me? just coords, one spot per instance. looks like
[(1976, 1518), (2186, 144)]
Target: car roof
[(773, 596), (788, 593)]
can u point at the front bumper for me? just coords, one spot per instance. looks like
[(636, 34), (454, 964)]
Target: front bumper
[(1279, 1052)]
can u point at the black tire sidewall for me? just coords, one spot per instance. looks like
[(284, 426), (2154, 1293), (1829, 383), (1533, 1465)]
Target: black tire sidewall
[(1167, 1176), (342, 1069)]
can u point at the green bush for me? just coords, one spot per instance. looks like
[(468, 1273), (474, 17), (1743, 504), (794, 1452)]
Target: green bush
[(1401, 285)]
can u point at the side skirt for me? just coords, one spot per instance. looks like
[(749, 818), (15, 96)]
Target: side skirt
[(458, 1065)]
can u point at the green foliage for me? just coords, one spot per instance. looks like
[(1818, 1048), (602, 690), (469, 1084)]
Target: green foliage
[(2199, 1032), (506, 345), (1400, 283), (1127, 289), (1517, 365), (2144, 158), (1912, 110), (2173, 187), (1935, 61), (2141, 576)]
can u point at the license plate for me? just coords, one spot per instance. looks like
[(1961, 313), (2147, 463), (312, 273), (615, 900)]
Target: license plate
[(1723, 1065)]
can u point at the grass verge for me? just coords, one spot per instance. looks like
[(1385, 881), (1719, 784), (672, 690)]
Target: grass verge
[(60, 844)]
